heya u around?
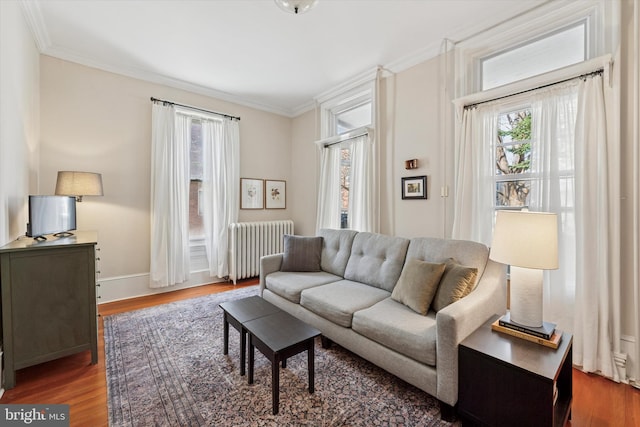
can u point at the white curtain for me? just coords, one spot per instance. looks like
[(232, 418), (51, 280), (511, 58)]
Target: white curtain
[(363, 192), (597, 323), (474, 160), (574, 166), (329, 196), (220, 189), (553, 118), (170, 140)]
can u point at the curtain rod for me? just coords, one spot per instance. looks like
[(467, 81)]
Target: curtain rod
[(333, 140), (581, 76), (194, 108)]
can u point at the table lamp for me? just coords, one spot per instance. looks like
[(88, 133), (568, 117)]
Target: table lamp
[(78, 184), (528, 242)]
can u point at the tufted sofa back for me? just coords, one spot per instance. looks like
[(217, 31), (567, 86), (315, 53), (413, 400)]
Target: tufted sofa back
[(336, 248), (376, 260)]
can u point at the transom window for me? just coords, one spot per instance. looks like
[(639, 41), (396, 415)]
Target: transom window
[(550, 52)]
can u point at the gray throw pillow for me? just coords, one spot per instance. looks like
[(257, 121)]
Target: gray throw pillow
[(301, 253), (417, 284), (456, 283)]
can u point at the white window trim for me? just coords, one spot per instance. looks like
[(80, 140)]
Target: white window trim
[(347, 100), (603, 23)]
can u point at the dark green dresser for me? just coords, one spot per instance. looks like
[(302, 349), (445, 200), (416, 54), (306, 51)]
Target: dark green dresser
[(48, 300)]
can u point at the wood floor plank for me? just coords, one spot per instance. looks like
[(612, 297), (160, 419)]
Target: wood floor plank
[(73, 380)]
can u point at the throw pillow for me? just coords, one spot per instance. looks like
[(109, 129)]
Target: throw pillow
[(301, 253), (417, 284), (456, 283)]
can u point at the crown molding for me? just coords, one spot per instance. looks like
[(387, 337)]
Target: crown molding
[(162, 79), (33, 15)]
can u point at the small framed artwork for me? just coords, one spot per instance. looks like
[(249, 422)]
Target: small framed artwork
[(275, 193), (414, 187), (251, 193)]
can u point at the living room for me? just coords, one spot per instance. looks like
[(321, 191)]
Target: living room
[(64, 114)]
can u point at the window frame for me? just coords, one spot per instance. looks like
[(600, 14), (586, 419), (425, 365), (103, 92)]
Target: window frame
[(337, 102), (602, 21)]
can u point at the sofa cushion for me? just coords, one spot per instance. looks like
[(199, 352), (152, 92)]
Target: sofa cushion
[(399, 328), (339, 300), (289, 285), (336, 249), (467, 253), (301, 253), (456, 283), (376, 260), (418, 284)]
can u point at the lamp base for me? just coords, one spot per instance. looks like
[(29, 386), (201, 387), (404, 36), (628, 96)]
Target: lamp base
[(526, 296)]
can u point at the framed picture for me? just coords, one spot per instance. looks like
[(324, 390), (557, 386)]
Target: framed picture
[(414, 187), (275, 194), (251, 193)]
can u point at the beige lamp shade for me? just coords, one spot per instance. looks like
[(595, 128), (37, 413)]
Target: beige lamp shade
[(526, 239), (78, 184)]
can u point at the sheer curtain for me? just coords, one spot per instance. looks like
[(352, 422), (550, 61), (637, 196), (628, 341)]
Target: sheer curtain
[(574, 169), (553, 118), (597, 311), (329, 203), (170, 139), (220, 192), (363, 192), (474, 160)]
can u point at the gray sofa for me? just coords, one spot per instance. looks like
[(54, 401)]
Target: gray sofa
[(349, 299)]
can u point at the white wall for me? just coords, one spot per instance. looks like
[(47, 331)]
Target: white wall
[(410, 128), (98, 121), (19, 120)]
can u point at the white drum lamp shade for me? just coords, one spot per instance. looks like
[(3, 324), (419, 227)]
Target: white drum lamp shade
[(528, 242), (78, 184)]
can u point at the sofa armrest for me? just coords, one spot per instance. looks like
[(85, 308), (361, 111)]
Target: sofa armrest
[(269, 264), (458, 320)]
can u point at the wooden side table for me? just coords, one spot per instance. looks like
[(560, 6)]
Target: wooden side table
[(507, 381)]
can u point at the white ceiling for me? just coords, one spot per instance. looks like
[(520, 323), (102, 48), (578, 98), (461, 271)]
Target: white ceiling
[(252, 52)]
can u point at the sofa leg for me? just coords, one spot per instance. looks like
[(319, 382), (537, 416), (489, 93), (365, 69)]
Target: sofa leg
[(447, 412), (326, 342)]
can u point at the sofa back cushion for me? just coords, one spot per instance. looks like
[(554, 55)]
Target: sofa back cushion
[(465, 252), (336, 248), (376, 260)]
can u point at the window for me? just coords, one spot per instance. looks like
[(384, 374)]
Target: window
[(347, 187), (341, 115), (564, 47), (346, 120), (512, 171), (196, 226), (353, 118)]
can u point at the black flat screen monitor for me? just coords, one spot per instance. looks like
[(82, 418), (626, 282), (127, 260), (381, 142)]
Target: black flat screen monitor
[(51, 215)]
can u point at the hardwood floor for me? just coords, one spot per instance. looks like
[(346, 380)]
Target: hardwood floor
[(72, 380)]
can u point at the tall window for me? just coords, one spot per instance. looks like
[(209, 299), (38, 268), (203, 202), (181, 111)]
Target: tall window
[(343, 116), (196, 225)]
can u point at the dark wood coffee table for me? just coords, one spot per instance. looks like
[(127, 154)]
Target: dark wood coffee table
[(240, 311), (279, 336)]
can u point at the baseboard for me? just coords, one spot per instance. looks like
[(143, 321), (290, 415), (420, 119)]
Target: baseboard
[(137, 285), (628, 347)]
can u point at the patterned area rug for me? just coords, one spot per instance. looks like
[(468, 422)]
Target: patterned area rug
[(165, 367)]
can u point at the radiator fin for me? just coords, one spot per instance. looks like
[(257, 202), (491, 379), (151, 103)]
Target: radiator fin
[(249, 241)]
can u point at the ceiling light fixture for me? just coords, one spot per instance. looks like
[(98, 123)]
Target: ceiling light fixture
[(296, 6)]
